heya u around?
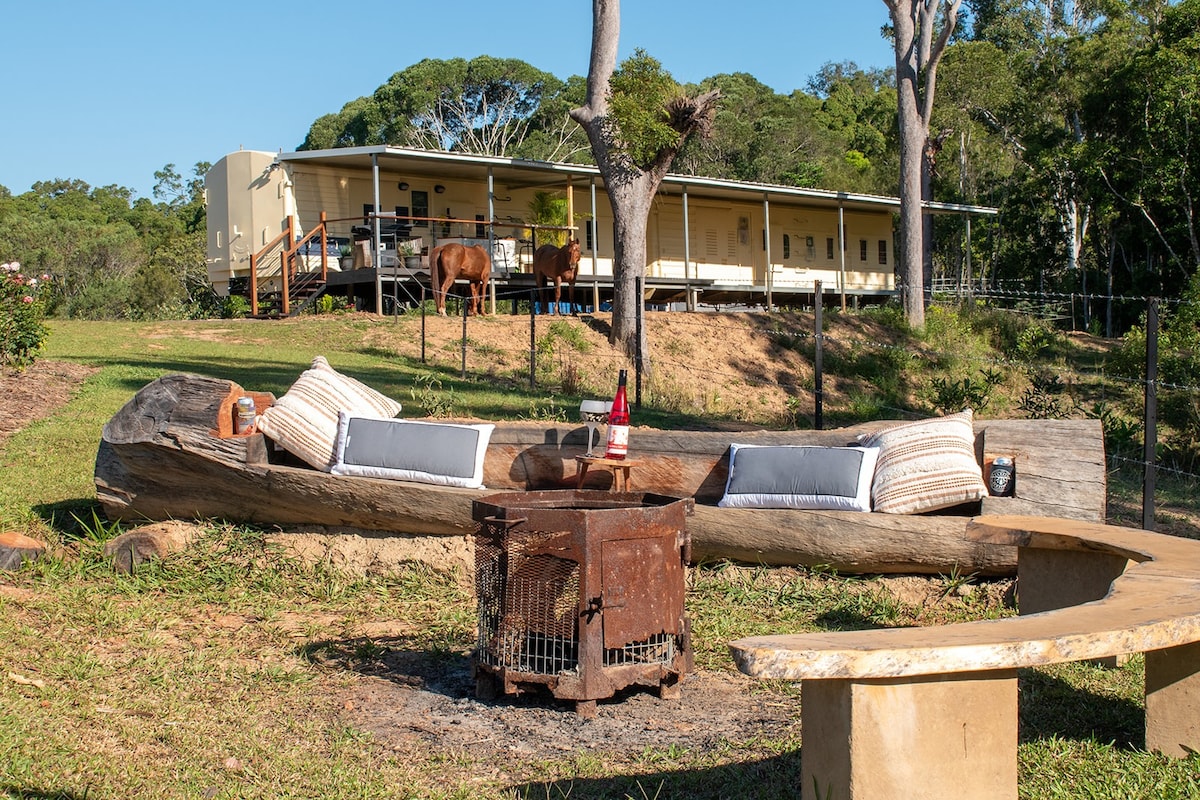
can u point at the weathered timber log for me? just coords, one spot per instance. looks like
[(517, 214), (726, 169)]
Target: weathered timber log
[(17, 548), (164, 456)]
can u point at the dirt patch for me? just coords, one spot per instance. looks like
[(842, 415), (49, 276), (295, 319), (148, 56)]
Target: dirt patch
[(37, 392), (364, 552)]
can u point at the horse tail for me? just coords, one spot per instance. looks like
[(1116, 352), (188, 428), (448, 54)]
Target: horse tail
[(435, 255)]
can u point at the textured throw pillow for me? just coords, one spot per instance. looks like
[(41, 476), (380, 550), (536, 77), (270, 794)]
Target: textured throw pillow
[(799, 476), (412, 450), (926, 465), (305, 420)]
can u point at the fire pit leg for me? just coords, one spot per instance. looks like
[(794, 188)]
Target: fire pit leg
[(486, 687), (670, 690), (586, 709)]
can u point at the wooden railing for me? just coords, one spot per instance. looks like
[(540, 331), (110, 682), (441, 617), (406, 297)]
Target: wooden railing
[(284, 250)]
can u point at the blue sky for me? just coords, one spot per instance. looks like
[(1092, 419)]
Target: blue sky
[(110, 92)]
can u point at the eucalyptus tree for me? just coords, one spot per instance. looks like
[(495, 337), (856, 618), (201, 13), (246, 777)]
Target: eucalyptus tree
[(1047, 57), (636, 120), (1146, 115), (918, 53), (487, 106)]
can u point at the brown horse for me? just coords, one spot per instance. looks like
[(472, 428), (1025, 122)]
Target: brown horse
[(449, 262), (551, 263)]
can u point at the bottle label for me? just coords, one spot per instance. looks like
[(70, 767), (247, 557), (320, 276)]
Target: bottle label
[(618, 441)]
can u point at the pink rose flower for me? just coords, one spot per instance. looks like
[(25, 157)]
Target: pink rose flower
[(26, 299)]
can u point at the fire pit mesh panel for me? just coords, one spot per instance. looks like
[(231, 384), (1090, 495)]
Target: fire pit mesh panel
[(528, 603), (658, 649)]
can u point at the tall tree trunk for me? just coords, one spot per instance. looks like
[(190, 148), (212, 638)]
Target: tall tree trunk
[(631, 187), (917, 58)]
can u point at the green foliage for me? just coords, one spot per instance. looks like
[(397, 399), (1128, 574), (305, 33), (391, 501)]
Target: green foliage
[(641, 91), (235, 306), (571, 334), (548, 409), (549, 208), (486, 105), (428, 393), (975, 392), (1121, 432), (111, 256), (1039, 341), (1043, 398), (22, 331)]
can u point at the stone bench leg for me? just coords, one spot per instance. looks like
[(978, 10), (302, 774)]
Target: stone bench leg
[(1053, 579), (937, 737), (1173, 700)]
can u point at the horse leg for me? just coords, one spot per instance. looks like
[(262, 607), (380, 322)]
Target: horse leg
[(557, 294), (476, 298), (572, 288)]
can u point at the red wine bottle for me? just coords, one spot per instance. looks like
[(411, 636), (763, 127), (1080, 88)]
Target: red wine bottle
[(618, 423)]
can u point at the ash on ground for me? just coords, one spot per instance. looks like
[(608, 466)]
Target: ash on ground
[(419, 699)]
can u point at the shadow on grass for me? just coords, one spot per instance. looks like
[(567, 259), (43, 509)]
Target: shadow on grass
[(763, 779), (1051, 707), (75, 519)]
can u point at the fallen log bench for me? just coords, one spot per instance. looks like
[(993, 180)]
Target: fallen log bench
[(171, 453), (932, 712)]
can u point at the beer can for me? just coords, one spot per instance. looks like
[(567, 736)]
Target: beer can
[(1003, 477), (245, 415)]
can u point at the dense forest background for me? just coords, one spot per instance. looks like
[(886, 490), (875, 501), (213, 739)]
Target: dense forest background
[(1078, 121)]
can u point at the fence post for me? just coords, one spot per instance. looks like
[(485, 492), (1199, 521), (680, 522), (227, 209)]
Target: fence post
[(818, 359), (423, 325), (1149, 447), (532, 337), (465, 307), (638, 355)]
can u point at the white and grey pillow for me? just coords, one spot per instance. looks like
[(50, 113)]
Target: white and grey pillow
[(445, 454), (799, 476)]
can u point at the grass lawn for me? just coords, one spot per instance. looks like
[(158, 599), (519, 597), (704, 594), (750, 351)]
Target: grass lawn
[(225, 671)]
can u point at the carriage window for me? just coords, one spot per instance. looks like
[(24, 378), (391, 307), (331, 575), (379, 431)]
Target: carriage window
[(829, 248), (420, 207), (787, 246), (587, 227), (479, 231), (883, 251), (862, 249)]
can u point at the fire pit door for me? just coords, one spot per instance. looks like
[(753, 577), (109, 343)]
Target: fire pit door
[(642, 580)]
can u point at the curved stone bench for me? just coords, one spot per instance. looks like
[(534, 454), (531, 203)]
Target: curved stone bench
[(932, 712)]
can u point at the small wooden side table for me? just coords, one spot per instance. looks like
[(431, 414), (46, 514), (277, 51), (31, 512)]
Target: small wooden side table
[(620, 468)]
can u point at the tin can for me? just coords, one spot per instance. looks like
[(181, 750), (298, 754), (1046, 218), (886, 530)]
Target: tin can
[(245, 415), (1003, 477)]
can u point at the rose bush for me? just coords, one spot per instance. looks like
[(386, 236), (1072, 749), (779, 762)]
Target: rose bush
[(22, 331)]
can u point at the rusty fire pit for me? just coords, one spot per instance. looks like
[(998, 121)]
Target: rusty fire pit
[(581, 592)]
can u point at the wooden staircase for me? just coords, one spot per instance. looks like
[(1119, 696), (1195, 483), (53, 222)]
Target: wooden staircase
[(281, 282)]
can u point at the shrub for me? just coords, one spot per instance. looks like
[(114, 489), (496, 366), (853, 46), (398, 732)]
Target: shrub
[(21, 312), (235, 306)]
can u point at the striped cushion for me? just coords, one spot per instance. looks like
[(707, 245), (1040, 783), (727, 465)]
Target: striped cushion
[(305, 420), (926, 465)]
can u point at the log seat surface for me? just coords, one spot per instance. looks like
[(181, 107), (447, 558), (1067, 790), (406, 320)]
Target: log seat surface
[(932, 712)]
